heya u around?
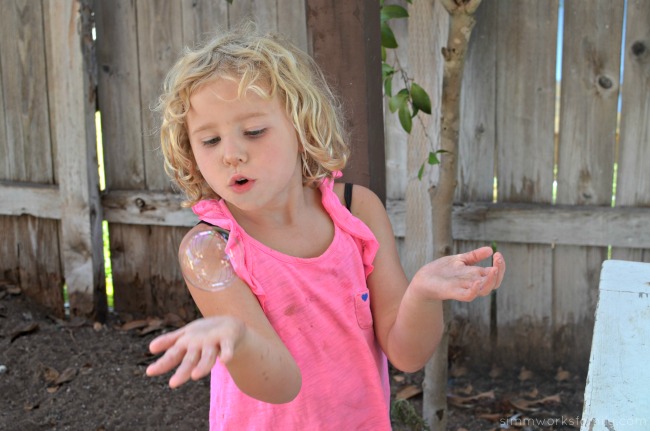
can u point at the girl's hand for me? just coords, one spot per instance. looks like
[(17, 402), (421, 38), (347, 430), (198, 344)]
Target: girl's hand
[(196, 348), (456, 277)]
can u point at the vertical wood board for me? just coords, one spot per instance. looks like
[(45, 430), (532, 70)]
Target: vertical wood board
[(345, 42), (72, 93), (202, 19), (22, 59), (427, 31), (633, 180), (526, 41), (476, 164), (587, 139), (395, 138), (119, 94), (160, 43)]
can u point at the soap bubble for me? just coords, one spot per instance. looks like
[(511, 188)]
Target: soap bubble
[(204, 261)]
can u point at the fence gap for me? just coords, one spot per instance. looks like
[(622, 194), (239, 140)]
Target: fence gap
[(558, 97)]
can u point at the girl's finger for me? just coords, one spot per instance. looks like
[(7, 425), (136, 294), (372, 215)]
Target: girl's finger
[(475, 256), (165, 363), (184, 370), (226, 350), (500, 264), (163, 342), (208, 359)]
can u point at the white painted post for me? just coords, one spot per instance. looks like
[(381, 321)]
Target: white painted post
[(617, 395)]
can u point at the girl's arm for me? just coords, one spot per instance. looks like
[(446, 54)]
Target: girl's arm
[(408, 316), (236, 330)]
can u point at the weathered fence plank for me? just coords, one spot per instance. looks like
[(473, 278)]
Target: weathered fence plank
[(27, 126), (587, 140), (427, 31), (633, 180), (152, 43), (345, 42), (525, 73), (29, 254), (395, 138), (472, 326), (72, 96), (119, 94), (27, 198), (202, 18)]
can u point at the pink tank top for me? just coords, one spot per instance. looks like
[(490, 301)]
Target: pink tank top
[(320, 308)]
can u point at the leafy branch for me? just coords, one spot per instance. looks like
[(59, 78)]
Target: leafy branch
[(412, 99)]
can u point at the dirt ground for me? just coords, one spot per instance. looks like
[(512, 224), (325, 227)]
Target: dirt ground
[(79, 375)]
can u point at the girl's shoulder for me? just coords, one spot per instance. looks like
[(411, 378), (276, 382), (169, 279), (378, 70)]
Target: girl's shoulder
[(364, 204)]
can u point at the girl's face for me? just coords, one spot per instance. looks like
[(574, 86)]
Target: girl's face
[(246, 148)]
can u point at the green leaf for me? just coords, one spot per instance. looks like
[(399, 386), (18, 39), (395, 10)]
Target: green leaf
[(387, 36), (392, 11), (383, 54), (420, 98), (398, 100), (388, 86), (229, 1), (421, 172), (405, 118), (387, 69), (433, 159)]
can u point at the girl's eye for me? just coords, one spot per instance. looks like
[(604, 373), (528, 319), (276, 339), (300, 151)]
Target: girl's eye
[(255, 133), (212, 141)]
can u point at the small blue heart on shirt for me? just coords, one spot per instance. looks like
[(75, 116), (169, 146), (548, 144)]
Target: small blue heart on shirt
[(364, 296)]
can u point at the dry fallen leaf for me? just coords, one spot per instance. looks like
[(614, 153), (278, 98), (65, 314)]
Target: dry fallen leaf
[(524, 406), (533, 393), (466, 401), (134, 324), (14, 290), (408, 392), (496, 372), (50, 374), (525, 374), (530, 406), (29, 406), (24, 330), (562, 375), (152, 326), (458, 371), (550, 399), (468, 389), (67, 375)]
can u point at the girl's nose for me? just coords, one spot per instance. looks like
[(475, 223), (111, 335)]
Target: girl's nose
[(234, 153)]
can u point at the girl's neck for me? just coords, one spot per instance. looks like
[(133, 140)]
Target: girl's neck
[(291, 211), (301, 227)]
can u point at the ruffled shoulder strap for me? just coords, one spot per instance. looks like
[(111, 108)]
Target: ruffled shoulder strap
[(363, 236)]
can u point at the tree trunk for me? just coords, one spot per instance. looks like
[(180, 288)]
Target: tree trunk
[(442, 194)]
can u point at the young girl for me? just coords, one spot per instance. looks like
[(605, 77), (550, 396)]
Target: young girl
[(299, 341)]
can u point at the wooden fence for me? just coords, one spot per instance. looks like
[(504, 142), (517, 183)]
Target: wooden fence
[(551, 148), (514, 129)]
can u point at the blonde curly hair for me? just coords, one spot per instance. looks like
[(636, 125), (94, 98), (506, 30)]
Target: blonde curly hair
[(268, 65)]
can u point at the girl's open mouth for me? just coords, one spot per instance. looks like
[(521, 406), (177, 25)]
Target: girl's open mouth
[(241, 184)]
